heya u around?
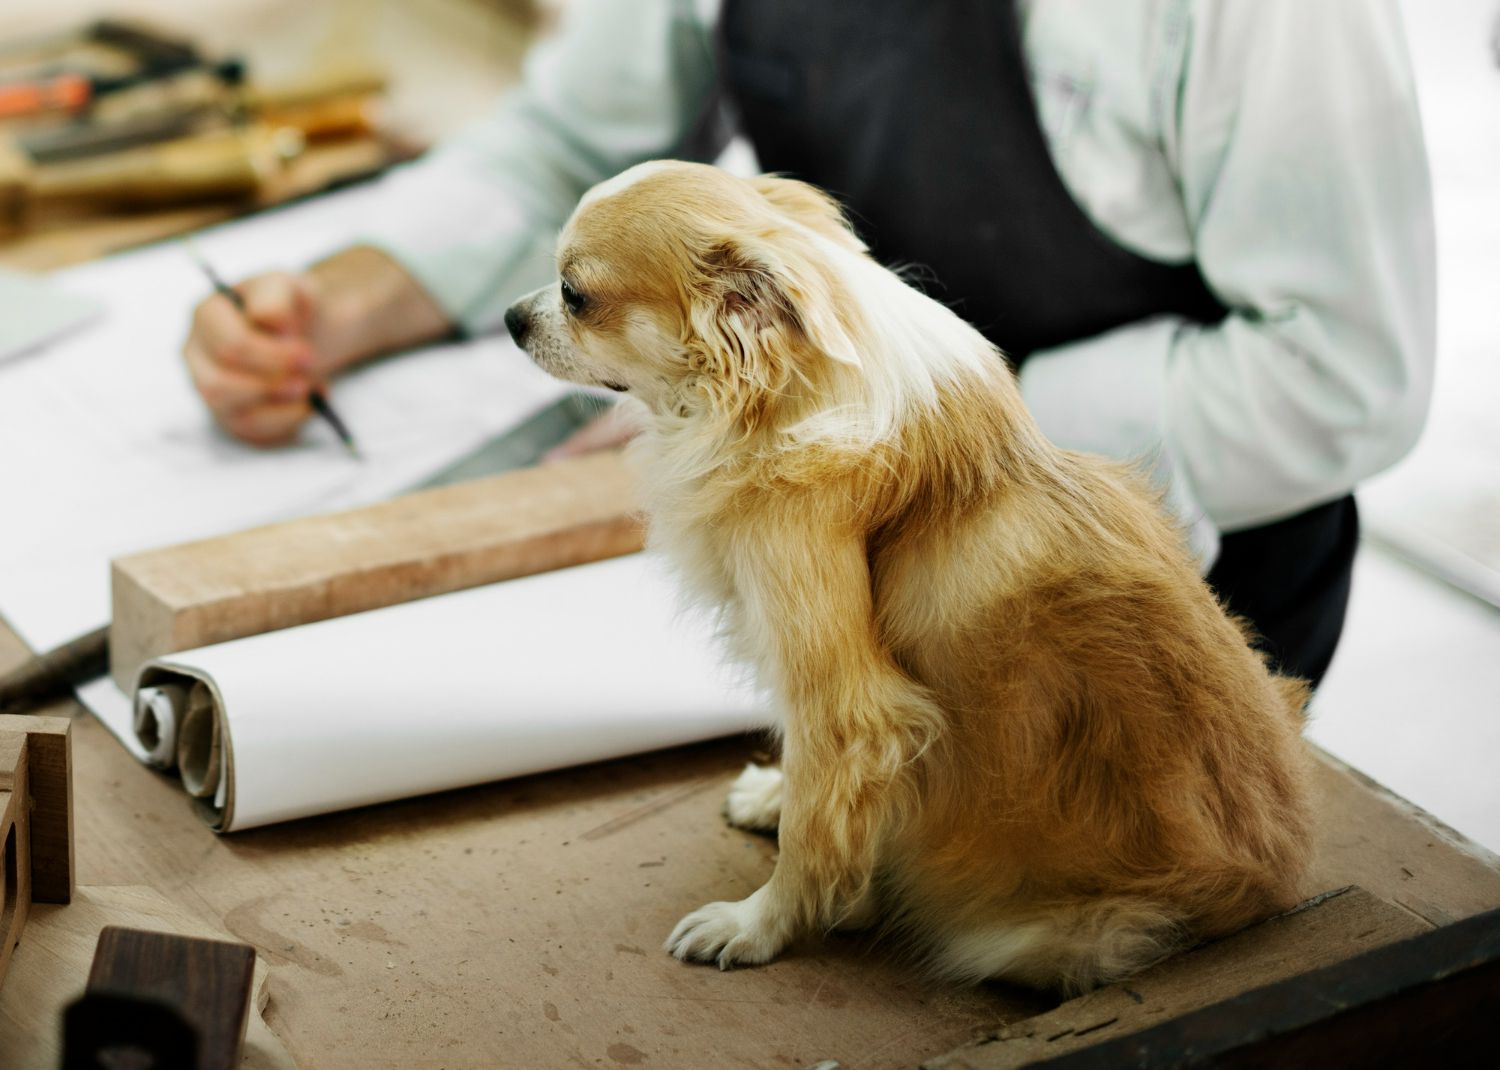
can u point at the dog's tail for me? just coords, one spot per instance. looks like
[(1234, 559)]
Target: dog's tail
[(1067, 947)]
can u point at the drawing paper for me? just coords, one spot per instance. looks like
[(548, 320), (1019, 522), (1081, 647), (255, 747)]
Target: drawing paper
[(108, 450), (35, 310)]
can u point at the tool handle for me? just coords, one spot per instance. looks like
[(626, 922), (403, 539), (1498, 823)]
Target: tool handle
[(51, 675), (64, 92)]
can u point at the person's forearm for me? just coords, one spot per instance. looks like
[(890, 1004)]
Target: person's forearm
[(370, 305)]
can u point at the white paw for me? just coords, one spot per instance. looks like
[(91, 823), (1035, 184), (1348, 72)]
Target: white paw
[(755, 799), (731, 934)]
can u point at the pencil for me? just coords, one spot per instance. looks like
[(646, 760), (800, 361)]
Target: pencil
[(316, 398)]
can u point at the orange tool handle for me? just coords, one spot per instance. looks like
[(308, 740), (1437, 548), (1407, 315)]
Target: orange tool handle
[(66, 91)]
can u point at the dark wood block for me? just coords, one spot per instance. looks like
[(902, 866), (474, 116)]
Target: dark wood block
[(206, 982)]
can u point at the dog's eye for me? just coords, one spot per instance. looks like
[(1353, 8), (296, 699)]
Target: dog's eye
[(572, 298)]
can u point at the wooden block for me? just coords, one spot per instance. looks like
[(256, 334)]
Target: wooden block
[(50, 771), (422, 544), (1325, 931), (205, 984), (15, 852)]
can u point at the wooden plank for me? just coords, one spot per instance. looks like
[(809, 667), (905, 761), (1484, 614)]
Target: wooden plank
[(15, 855), (1370, 836), (50, 768), (207, 983), (422, 544), (1431, 1000)]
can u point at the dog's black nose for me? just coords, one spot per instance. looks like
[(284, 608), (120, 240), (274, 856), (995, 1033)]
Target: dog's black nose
[(517, 322)]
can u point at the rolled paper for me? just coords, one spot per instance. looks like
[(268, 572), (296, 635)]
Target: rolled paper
[(578, 665), (199, 754), (157, 713)]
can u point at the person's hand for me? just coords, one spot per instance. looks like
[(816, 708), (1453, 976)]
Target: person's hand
[(256, 368), (605, 432)]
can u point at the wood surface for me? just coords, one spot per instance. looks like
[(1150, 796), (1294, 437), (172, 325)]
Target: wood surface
[(1327, 931), (50, 769), (422, 544), (52, 964), (206, 982), (1432, 999), (15, 853)]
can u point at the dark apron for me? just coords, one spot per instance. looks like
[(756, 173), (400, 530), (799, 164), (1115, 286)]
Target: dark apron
[(918, 116)]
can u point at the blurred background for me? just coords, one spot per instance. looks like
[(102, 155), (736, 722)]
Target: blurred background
[(329, 92), (201, 111)]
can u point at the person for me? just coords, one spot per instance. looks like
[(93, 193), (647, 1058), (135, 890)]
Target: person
[(1201, 232)]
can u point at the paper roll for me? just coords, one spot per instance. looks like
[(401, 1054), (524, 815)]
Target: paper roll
[(578, 665), (157, 712), (199, 751)]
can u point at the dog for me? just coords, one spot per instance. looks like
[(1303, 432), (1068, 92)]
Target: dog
[(1018, 729)]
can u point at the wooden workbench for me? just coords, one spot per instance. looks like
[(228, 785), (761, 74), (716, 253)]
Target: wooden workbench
[(519, 924)]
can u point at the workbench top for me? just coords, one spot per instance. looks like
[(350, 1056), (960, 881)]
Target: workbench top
[(520, 923)]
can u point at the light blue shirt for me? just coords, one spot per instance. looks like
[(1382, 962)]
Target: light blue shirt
[(1277, 142)]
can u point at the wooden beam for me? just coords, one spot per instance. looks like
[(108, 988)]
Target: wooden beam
[(411, 547)]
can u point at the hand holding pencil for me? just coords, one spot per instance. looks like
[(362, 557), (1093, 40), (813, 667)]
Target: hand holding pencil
[(258, 357)]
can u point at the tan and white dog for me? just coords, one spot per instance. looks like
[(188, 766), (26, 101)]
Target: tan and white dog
[(1018, 728)]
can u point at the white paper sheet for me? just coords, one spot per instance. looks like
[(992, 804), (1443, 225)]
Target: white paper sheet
[(533, 674), (105, 449), (36, 310)]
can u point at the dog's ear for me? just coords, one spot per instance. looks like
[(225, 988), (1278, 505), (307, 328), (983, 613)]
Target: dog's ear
[(810, 206), (766, 309)]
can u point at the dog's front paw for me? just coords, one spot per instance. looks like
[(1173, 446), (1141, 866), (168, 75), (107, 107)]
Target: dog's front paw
[(731, 934), (754, 800)]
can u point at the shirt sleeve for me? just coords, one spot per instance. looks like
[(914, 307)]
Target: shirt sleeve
[(476, 220), (1295, 135)]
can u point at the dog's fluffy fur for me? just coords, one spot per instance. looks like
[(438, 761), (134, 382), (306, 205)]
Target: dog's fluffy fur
[(1017, 725)]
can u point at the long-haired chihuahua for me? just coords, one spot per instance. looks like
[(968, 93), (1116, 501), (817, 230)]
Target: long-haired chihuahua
[(1017, 726)]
